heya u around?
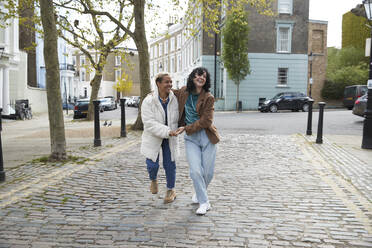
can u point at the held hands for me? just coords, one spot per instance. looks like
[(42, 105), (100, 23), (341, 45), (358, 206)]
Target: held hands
[(177, 132)]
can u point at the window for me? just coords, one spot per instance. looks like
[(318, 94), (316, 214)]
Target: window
[(285, 6), (284, 38), (156, 51), (74, 60), (282, 76), (166, 47), (172, 69), (173, 40), (117, 60), (317, 41), (179, 41), (82, 75), (82, 60), (179, 62), (161, 49), (166, 65), (117, 75)]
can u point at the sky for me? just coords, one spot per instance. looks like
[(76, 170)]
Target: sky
[(332, 11)]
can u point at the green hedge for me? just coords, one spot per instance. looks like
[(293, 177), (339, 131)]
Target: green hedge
[(336, 82), (354, 31)]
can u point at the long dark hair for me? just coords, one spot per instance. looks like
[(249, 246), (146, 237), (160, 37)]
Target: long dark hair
[(190, 87)]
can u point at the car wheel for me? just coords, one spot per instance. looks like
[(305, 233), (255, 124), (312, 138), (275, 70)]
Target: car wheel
[(349, 108), (273, 108), (305, 107)]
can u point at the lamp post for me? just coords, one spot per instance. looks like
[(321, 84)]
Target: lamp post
[(215, 64), (367, 127), (311, 72)]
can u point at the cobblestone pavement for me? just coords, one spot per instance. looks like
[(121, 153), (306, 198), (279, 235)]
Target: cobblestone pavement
[(268, 191)]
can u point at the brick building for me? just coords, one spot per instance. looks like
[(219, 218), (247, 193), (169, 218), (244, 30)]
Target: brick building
[(318, 66)]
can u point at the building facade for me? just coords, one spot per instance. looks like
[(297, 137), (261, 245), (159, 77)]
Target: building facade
[(277, 50), (176, 53), (317, 58), (13, 66), (115, 66)]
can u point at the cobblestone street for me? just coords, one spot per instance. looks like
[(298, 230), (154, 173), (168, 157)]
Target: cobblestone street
[(268, 191)]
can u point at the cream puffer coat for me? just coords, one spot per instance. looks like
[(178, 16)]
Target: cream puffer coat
[(154, 128)]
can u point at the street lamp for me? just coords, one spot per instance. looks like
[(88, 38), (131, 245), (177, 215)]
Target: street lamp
[(311, 72), (367, 127)]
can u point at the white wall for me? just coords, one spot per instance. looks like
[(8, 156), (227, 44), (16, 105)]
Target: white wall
[(37, 98)]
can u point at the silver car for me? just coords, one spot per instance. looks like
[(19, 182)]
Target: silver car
[(360, 106)]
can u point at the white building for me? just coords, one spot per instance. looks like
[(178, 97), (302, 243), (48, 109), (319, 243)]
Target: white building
[(177, 53), (13, 66)]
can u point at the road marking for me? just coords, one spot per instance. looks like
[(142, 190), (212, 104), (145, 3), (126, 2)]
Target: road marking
[(319, 163), (24, 190)]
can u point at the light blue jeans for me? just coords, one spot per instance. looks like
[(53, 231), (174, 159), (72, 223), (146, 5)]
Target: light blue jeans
[(201, 156)]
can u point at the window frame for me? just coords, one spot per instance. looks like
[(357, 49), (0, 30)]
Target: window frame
[(166, 47), (116, 75), (117, 60), (290, 7), (289, 26), (279, 84)]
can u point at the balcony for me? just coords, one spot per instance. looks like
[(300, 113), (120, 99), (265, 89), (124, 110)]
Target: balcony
[(68, 67)]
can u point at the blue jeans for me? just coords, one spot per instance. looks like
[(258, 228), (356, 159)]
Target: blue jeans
[(168, 164), (201, 156)]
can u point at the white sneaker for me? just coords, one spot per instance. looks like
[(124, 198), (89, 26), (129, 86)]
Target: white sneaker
[(194, 199), (203, 208)]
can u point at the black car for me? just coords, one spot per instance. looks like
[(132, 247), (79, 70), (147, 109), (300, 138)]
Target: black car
[(81, 108), (294, 101)]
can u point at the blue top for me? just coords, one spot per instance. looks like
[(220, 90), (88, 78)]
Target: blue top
[(165, 104), (190, 109)]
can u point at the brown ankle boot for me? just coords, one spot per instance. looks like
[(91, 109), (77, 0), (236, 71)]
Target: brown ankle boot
[(170, 196), (154, 186)]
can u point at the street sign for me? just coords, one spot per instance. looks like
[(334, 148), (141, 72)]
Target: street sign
[(368, 47), (369, 83)]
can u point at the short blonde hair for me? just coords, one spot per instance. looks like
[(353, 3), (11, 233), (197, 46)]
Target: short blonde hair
[(160, 77)]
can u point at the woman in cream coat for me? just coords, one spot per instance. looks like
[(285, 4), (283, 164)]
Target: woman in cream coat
[(159, 112)]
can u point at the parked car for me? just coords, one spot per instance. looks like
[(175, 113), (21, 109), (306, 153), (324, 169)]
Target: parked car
[(67, 105), (352, 93), (108, 103), (294, 101), (81, 108), (360, 105), (134, 101)]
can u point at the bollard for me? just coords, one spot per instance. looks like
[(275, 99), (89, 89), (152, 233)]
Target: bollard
[(310, 117), (97, 135), (319, 137), (123, 132), (2, 172)]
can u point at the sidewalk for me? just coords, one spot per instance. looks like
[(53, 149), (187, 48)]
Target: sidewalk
[(268, 191), (19, 137)]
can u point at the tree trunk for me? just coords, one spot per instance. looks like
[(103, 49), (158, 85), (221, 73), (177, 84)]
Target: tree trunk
[(237, 96), (142, 47), (95, 83), (56, 122)]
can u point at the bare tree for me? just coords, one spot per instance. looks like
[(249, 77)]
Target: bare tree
[(83, 37), (56, 123)]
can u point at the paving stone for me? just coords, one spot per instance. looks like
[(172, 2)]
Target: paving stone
[(265, 193)]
